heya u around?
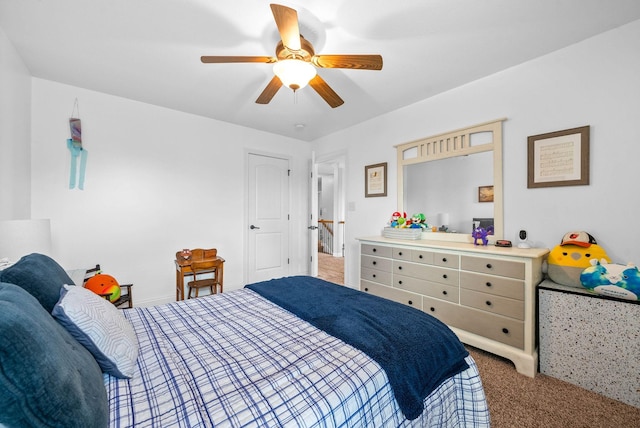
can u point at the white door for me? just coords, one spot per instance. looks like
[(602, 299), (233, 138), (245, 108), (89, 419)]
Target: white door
[(268, 218), (313, 220)]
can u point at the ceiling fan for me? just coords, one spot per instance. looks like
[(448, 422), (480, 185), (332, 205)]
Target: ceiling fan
[(295, 61)]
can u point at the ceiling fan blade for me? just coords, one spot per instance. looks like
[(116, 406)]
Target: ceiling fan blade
[(230, 59), (287, 23), (269, 91), (360, 62), (325, 91)]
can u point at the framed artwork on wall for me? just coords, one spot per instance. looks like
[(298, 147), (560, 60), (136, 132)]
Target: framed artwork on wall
[(485, 194), (375, 180), (559, 158)]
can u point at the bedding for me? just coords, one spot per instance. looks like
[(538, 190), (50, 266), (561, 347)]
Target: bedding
[(47, 379), (416, 350), (227, 360), (239, 359)]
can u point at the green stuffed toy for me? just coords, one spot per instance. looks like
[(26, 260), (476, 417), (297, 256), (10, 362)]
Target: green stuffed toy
[(566, 261)]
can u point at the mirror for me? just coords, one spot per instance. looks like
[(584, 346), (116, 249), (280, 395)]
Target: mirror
[(446, 200), (448, 178)]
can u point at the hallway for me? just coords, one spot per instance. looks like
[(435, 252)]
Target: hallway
[(331, 268)]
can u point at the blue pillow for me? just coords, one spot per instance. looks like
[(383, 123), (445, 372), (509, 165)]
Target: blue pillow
[(47, 377), (40, 275), (100, 327)]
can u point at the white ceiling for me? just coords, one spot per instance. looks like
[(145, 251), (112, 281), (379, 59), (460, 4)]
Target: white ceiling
[(149, 50)]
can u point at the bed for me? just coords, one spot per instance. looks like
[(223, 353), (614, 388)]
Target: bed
[(246, 359)]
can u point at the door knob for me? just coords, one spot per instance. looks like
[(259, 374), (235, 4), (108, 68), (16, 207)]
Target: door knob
[(253, 227)]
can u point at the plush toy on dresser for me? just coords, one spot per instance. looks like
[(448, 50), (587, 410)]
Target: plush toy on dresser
[(566, 261)]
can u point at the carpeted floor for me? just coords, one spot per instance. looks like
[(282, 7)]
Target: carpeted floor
[(544, 402)]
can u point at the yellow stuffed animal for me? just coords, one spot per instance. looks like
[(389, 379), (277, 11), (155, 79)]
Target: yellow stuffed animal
[(566, 261)]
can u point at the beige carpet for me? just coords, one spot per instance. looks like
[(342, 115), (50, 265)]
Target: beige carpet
[(545, 402)]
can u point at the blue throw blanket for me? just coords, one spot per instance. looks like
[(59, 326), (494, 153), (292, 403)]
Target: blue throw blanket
[(416, 350)]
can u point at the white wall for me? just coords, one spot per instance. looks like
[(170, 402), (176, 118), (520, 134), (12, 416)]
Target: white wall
[(591, 83), (15, 120), (157, 181)]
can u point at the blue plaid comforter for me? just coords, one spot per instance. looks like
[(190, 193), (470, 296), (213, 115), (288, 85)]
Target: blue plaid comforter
[(237, 360)]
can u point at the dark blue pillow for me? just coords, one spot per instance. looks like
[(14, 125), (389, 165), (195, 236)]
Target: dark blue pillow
[(47, 377), (40, 275)]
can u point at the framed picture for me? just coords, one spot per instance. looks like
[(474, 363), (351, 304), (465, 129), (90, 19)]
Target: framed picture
[(559, 158), (375, 180), (485, 194)]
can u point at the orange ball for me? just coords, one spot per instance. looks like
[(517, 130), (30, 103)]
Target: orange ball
[(104, 284)]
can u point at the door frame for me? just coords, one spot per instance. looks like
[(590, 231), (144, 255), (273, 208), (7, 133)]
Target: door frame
[(245, 239), (338, 160)]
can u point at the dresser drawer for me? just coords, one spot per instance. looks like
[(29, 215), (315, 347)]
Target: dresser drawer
[(400, 296), (426, 272), (375, 263), (446, 260), (448, 313), (488, 302), (374, 275), (512, 269), (419, 256), (401, 254), (375, 250), (427, 288), (498, 285), (495, 327)]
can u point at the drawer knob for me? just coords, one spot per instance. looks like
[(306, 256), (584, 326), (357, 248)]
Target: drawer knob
[(410, 302), (399, 282), (399, 253), (444, 292), (444, 276), (399, 267), (488, 284), (488, 302), (420, 256), (366, 289), (374, 262), (374, 275), (489, 266), (432, 309), (505, 330), (444, 259), (374, 250)]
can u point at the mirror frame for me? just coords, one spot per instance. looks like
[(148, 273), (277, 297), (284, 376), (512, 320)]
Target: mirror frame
[(452, 144)]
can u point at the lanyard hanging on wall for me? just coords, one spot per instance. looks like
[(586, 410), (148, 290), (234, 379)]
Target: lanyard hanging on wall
[(74, 144)]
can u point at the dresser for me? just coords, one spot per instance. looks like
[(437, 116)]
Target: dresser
[(486, 295)]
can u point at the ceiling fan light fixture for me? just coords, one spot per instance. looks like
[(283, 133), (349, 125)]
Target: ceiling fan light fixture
[(294, 73)]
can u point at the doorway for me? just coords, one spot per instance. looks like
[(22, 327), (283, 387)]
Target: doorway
[(268, 217), (331, 214)]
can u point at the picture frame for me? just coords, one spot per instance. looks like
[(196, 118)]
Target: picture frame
[(558, 158), (485, 194), (375, 180)]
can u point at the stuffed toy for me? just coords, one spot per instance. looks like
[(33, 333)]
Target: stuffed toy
[(398, 219), (566, 261), (419, 221), (479, 233), (613, 280), (104, 284)]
